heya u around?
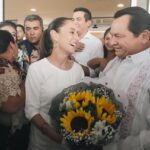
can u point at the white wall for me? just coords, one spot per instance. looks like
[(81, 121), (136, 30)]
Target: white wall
[(1, 10)]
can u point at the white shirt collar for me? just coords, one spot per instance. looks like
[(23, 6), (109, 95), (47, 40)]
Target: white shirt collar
[(87, 35), (139, 57)]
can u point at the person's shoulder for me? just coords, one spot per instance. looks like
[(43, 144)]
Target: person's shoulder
[(77, 66), (10, 73), (115, 61), (39, 70), (5, 66), (39, 63), (38, 66), (5, 70), (78, 70)]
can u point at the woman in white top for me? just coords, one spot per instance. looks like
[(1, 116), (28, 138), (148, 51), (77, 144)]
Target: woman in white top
[(48, 77)]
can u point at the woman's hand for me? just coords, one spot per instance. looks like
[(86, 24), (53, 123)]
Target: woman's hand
[(45, 128)]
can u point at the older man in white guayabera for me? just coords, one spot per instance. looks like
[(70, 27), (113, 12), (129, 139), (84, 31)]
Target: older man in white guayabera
[(129, 76)]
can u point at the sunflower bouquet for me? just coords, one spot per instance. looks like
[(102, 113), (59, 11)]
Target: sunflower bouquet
[(86, 115)]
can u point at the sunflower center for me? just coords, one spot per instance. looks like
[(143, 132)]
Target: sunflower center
[(105, 111), (80, 101), (79, 124)]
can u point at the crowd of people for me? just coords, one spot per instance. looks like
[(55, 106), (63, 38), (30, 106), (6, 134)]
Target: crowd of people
[(36, 64)]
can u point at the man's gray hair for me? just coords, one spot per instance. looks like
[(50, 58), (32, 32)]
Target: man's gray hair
[(34, 17)]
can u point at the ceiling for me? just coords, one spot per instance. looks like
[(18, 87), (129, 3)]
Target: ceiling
[(49, 9)]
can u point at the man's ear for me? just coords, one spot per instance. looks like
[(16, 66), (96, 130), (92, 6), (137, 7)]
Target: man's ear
[(145, 35), (89, 23)]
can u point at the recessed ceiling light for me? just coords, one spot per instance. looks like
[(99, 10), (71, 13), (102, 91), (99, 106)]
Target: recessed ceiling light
[(33, 10), (120, 5)]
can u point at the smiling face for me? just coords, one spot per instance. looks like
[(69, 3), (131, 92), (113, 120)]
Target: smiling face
[(107, 42), (81, 23), (66, 38), (124, 41)]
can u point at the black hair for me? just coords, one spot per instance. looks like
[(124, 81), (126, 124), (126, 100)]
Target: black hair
[(107, 31), (47, 42), (104, 47), (21, 26), (5, 39), (139, 19), (131, 11), (87, 13), (7, 23)]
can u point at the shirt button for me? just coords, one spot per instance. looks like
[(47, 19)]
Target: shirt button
[(106, 83)]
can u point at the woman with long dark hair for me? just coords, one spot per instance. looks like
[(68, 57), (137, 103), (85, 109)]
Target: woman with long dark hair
[(48, 77), (109, 53)]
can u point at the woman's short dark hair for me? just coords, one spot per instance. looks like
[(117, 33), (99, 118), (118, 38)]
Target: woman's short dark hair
[(46, 44), (139, 19), (5, 39), (87, 13)]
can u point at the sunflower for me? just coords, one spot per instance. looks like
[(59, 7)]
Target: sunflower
[(106, 110), (86, 115), (77, 122), (81, 99)]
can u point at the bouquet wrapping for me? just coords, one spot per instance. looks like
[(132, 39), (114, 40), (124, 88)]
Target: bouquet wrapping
[(86, 115)]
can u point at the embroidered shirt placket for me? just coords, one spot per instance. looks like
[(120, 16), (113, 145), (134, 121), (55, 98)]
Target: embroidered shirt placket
[(133, 91)]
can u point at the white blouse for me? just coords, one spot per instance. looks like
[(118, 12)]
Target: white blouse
[(44, 81)]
